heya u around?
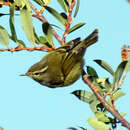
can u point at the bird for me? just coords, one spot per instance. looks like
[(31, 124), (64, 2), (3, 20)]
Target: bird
[(64, 65)]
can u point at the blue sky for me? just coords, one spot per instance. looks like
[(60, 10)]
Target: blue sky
[(26, 105)]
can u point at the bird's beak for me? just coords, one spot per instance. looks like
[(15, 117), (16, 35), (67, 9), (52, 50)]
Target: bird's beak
[(23, 74)]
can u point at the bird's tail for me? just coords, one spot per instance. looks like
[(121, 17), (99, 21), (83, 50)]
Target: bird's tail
[(91, 39), (80, 47)]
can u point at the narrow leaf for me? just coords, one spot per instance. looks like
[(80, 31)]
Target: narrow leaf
[(77, 8), (46, 1), (48, 32), (2, 14), (63, 15), (20, 42), (11, 21), (43, 41), (57, 27), (119, 71), (94, 103), (21, 3), (118, 94), (40, 2), (105, 65), (101, 116), (64, 5), (26, 21), (57, 15), (83, 128), (72, 128), (83, 95), (97, 125), (91, 71), (123, 114), (75, 27), (4, 36), (69, 1), (104, 83)]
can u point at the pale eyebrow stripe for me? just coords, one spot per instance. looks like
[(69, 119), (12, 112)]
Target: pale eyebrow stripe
[(42, 70)]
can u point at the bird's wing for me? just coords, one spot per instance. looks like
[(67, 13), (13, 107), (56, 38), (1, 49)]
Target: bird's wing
[(68, 63)]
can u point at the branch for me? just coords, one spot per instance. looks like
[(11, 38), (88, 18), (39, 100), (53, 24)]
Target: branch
[(5, 3), (37, 15), (43, 19), (115, 113), (19, 48), (69, 19)]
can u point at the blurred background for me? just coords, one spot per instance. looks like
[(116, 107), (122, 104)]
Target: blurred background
[(26, 105)]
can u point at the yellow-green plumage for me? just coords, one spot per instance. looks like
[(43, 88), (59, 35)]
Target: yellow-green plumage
[(62, 66)]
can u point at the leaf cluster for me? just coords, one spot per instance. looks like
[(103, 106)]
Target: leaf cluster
[(102, 119), (25, 12)]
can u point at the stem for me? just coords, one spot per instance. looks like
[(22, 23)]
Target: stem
[(19, 48), (115, 113), (43, 19), (69, 19)]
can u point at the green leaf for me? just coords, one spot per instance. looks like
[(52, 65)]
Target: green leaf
[(4, 36), (72, 128), (83, 128), (118, 94), (69, 1), (20, 42), (77, 8), (119, 71), (75, 27), (21, 3), (48, 32), (57, 27), (91, 71), (36, 37), (40, 2), (104, 84), (57, 15), (43, 41), (105, 65), (123, 114), (64, 5), (97, 125), (94, 104), (26, 21), (63, 15), (2, 14), (87, 97), (102, 117), (11, 21), (84, 95)]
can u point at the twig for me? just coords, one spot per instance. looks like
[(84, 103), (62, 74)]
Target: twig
[(19, 48), (8, 4), (5, 3), (40, 17), (112, 101), (37, 15), (43, 19), (115, 113), (118, 85), (69, 19)]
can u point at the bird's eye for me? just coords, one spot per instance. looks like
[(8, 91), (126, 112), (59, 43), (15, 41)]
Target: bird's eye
[(37, 74)]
